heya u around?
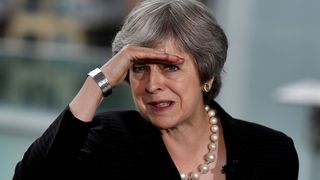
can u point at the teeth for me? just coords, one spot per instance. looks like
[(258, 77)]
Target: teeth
[(163, 104)]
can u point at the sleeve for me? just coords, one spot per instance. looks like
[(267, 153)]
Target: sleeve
[(51, 153), (293, 162)]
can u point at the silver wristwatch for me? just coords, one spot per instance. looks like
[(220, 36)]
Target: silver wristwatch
[(102, 81)]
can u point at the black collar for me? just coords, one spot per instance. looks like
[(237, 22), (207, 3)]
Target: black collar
[(236, 141)]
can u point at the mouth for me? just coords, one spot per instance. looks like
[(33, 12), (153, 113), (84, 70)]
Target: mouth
[(160, 106)]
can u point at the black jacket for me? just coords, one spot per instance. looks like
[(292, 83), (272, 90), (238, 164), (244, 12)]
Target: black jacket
[(124, 146)]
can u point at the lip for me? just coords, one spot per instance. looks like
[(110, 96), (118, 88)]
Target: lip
[(154, 106)]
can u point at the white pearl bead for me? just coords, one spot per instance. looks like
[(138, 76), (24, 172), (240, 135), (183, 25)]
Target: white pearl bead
[(195, 175), (211, 113), (212, 146), (214, 128), (207, 108), (214, 137), (204, 168), (183, 176), (210, 157), (213, 120)]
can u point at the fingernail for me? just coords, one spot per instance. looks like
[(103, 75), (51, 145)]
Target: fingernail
[(180, 61)]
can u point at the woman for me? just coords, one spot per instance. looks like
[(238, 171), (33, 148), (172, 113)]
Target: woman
[(172, 53)]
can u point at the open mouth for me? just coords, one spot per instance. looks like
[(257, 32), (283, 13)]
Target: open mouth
[(160, 105)]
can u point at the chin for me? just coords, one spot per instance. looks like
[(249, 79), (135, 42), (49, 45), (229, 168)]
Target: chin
[(161, 121), (164, 124)]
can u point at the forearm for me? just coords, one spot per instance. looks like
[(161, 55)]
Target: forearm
[(87, 101)]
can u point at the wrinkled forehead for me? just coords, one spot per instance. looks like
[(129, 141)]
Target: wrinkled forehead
[(167, 44)]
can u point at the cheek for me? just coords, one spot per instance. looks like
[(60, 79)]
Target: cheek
[(187, 83), (137, 90), (188, 89), (179, 88), (135, 85)]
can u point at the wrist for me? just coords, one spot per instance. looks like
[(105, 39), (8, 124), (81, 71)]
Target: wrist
[(101, 80), (87, 101)]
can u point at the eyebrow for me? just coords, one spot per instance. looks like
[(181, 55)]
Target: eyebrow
[(151, 61)]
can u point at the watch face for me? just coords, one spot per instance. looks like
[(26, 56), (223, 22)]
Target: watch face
[(103, 82), (94, 72)]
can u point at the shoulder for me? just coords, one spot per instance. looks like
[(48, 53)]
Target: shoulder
[(260, 132), (117, 115), (122, 123), (248, 131), (118, 119), (261, 138), (269, 149)]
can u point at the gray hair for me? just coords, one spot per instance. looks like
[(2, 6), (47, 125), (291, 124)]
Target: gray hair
[(190, 24)]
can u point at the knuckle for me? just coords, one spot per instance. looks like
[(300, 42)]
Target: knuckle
[(128, 47)]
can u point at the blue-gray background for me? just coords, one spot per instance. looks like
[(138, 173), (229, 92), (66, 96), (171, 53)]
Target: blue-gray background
[(272, 44)]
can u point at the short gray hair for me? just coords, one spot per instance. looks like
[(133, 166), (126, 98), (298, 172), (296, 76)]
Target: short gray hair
[(192, 26)]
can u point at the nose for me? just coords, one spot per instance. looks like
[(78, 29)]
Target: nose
[(154, 82)]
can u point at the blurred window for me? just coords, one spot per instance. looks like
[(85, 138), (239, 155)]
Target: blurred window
[(29, 37), (32, 5), (29, 46), (60, 38)]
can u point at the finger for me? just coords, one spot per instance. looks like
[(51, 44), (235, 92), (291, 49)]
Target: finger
[(148, 55), (169, 59), (158, 61)]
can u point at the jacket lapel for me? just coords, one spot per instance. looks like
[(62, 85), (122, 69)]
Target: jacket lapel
[(160, 165), (236, 140), (154, 153)]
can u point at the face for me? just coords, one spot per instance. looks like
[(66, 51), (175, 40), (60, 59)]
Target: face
[(166, 94)]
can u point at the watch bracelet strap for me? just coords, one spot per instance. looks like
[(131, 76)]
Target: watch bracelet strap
[(101, 81)]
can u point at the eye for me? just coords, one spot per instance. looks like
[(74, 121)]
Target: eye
[(139, 68), (171, 68)]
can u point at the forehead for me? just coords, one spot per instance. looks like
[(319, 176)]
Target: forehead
[(171, 46), (168, 44)]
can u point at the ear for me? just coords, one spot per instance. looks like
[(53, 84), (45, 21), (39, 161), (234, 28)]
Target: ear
[(206, 87), (210, 82)]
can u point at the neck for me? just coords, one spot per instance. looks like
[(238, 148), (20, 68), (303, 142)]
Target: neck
[(189, 141), (189, 132), (186, 136)]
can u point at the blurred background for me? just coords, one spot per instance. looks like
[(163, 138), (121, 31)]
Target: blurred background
[(272, 75)]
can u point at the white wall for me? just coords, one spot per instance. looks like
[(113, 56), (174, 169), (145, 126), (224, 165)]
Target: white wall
[(272, 44)]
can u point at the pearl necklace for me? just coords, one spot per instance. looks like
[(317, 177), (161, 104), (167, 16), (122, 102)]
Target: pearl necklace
[(210, 156)]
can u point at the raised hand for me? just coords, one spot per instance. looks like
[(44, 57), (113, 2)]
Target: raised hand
[(88, 99), (117, 67)]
